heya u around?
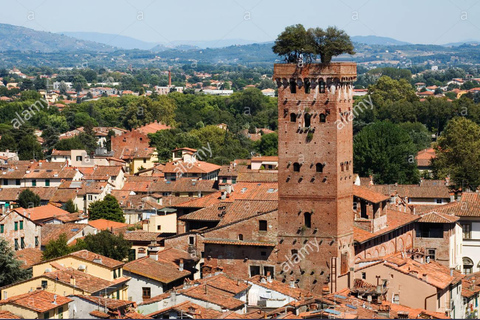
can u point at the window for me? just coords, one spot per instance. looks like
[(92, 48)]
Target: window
[(267, 269), (22, 242), (293, 86), (430, 230), (146, 293), (46, 315), (90, 197), (323, 118), (78, 158), (396, 298), (144, 160), (364, 275), (467, 265), (15, 225), (44, 284), (34, 183), (467, 230), (16, 244), (36, 242), (307, 216), (47, 182), (262, 225), (307, 85), (21, 225), (17, 182), (307, 117), (296, 167), (115, 276), (254, 270), (293, 117), (240, 237), (60, 312), (234, 180), (341, 166), (294, 252), (344, 263), (191, 240), (431, 254), (439, 201), (224, 180), (322, 86), (2, 228)]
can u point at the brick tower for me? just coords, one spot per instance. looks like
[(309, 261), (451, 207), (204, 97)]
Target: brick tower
[(315, 174)]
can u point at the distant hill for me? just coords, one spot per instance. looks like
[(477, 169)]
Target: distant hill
[(375, 40), (112, 40), (25, 39), (461, 43)]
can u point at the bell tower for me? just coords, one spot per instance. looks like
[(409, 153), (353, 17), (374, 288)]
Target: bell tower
[(315, 174)]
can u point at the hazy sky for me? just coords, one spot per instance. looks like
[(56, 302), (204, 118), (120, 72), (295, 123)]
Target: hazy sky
[(417, 21)]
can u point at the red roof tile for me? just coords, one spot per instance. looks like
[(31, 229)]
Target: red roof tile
[(38, 301), (162, 271)]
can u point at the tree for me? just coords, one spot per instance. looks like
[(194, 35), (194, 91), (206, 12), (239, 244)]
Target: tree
[(419, 134), (28, 199), (70, 206), (106, 244), (387, 152), (292, 43), (56, 248), (329, 43), (88, 138), (50, 137), (10, 266), (7, 142), (296, 42), (458, 153), (70, 144), (108, 209), (267, 145)]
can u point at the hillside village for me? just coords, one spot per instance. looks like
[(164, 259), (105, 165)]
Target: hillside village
[(210, 241)]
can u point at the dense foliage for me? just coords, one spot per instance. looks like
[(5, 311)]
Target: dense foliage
[(108, 209), (10, 267)]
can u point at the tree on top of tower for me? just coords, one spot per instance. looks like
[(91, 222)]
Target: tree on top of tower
[(296, 42)]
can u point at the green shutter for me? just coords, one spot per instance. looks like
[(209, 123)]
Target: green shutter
[(2, 228), (21, 225), (16, 226)]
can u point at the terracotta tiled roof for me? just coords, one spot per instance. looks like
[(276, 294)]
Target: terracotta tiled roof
[(368, 194), (91, 256), (103, 224), (4, 314), (201, 167), (211, 213), (261, 176), (468, 206), (413, 191), (38, 301), (191, 309), (99, 314), (83, 281), (432, 273), (53, 231), (201, 202), (29, 256), (152, 127), (228, 171), (395, 220), (112, 304), (101, 172), (174, 255), (255, 191), (265, 159), (243, 209), (42, 212), (135, 315), (213, 295), (425, 156), (162, 271), (140, 235), (436, 217)]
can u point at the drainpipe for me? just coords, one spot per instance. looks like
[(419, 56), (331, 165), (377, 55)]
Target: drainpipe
[(426, 298)]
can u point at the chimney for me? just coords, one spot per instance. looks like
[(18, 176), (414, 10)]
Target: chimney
[(262, 279), (73, 282), (451, 272), (269, 277), (97, 259), (292, 283), (452, 196), (169, 78), (55, 299), (180, 268), (154, 255)]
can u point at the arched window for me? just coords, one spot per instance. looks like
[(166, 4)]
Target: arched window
[(323, 118), (307, 85), (296, 167), (307, 119), (322, 86), (341, 165), (307, 219), (293, 117), (319, 167), (347, 165), (467, 265), (293, 86), (240, 237)]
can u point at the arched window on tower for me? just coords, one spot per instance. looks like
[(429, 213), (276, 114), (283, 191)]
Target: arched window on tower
[(307, 216), (347, 165), (341, 165), (323, 118), (307, 119), (321, 86), (293, 86), (296, 167), (307, 85), (293, 117), (319, 167)]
